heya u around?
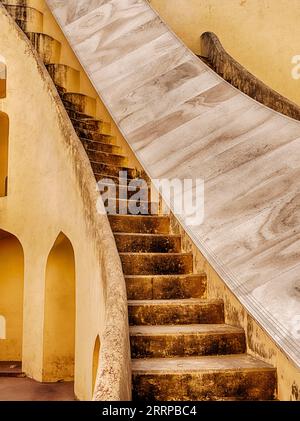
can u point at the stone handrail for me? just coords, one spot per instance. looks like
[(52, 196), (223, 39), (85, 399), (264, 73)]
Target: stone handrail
[(234, 73)]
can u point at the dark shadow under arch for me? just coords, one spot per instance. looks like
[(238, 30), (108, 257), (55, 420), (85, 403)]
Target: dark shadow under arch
[(96, 356)]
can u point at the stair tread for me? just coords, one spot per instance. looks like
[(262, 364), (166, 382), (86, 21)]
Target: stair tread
[(191, 275), (157, 330), (155, 254), (115, 166), (185, 301), (217, 363), (132, 234)]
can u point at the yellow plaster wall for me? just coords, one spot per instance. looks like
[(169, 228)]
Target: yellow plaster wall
[(263, 35), (52, 190), (4, 131), (11, 296)]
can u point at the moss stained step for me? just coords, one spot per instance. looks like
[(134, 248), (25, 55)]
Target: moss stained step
[(203, 378), (100, 146), (94, 135), (166, 287), (83, 103), (122, 206), (186, 340), (175, 312), (156, 263), (148, 243), (92, 125), (107, 158), (111, 170), (48, 48), (28, 18), (140, 224)]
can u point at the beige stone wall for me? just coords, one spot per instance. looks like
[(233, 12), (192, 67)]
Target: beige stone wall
[(51, 189), (262, 35)]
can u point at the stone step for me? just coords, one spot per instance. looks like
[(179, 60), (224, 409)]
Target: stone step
[(101, 146), (186, 340), (107, 158), (156, 263), (69, 105), (111, 170), (140, 224), (76, 115), (11, 369), (166, 287), (28, 18), (175, 312), (99, 177), (83, 103), (203, 378), (64, 76), (48, 48), (148, 243), (126, 191), (96, 136), (130, 207), (92, 125)]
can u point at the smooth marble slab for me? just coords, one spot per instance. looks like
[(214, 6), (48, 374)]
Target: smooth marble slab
[(183, 121)]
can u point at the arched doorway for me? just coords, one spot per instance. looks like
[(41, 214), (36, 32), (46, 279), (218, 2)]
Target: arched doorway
[(11, 297), (59, 319), (96, 355)]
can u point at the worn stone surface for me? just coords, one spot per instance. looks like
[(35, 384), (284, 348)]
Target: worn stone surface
[(165, 287), (189, 311), (203, 378), (187, 340)]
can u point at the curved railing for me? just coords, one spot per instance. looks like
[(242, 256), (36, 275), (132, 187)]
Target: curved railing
[(234, 73)]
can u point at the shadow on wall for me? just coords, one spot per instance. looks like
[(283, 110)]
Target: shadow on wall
[(60, 312), (11, 297)]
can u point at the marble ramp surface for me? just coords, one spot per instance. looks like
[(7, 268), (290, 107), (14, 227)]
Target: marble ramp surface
[(183, 121)]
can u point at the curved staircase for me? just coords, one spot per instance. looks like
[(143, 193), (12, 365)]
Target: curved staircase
[(181, 347)]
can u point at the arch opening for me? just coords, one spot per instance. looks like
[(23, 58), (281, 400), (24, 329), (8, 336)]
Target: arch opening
[(96, 356), (60, 309), (11, 297)]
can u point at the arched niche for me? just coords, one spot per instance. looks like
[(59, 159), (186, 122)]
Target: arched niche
[(60, 312), (11, 297), (96, 356)]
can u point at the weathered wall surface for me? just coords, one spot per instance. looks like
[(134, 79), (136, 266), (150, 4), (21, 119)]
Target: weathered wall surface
[(185, 122), (51, 189), (261, 35)]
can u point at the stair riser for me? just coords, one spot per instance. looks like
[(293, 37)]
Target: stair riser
[(101, 147), (107, 158), (153, 225), (48, 48), (95, 136), (135, 264), (64, 76), (124, 191), (176, 314), (28, 19), (165, 289), (130, 207), (188, 345), (93, 126), (111, 170), (142, 244), (75, 115), (83, 103), (246, 385)]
